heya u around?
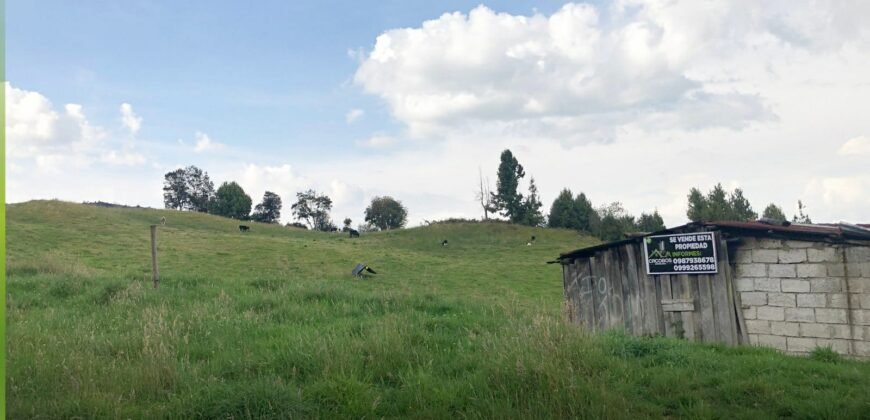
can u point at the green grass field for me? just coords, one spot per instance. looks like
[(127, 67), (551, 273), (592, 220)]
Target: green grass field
[(270, 324)]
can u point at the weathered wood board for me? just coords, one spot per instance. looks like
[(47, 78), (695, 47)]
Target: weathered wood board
[(611, 289)]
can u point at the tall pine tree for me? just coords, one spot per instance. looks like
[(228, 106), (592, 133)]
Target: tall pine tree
[(506, 198), (531, 208)]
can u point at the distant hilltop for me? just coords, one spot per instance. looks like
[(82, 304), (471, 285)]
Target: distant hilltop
[(105, 204)]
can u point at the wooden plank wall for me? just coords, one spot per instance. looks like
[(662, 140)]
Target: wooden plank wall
[(611, 289)]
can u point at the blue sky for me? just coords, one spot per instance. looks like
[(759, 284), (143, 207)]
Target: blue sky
[(272, 76), (635, 101)]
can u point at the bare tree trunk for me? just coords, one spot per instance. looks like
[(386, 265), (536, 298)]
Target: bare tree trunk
[(483, 194)]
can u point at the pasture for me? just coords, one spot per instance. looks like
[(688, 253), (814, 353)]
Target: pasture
[(271, 324)]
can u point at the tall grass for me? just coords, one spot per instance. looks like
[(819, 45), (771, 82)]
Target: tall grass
[(272, 325)]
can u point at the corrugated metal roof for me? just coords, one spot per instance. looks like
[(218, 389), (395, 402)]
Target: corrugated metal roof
[(825, 232), (843, 230)]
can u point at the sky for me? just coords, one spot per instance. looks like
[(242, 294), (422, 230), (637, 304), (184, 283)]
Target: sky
[(635, 101)]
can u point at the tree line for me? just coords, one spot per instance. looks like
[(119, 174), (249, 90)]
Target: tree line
[(191, 189), (611, 221), (608, 222)]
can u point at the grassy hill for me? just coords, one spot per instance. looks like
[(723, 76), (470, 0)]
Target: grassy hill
[(271, 324)]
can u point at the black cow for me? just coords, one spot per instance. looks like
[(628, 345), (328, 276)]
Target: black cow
[(444, 242), (243, 228), (353, 233)]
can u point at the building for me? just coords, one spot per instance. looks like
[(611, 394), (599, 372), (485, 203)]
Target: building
[(793, 287)]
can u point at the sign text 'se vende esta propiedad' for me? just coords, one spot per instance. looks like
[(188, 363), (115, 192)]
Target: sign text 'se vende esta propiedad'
[(684, 253)]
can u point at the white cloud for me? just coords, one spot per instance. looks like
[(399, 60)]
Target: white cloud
[(30, 117), (353, 115), (845, 197), (377, 141), (555, 75), (36, 131), (124, 158), (856, 146), (205, 144), (131, 121)]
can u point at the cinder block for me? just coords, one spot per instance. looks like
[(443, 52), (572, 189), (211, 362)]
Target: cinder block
[(795, 286), (858, 254), (800, 315), (801, 344), (863, 301), (827, 254), (751, 270), (841, 331), (743, 256), (765, 255), (767, 285), (747, 284), (782, 270), (791, 256), (860, 317), (859, 285), (750, 313), (836, 269), (771, 313), (855, 300), (753, 339), (865, 270), (753, 298), (838, 300), (774, 341), (816, 330), (831, 316), (811, 300), (860, 332), (811, 270), (826, 285), (784, 328), (781, 299), (862, 348), (799, 244), (769, 243), (853, 269), (839, 346), (757, 326)]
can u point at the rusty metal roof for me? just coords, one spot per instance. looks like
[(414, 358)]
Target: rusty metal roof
[(839, 230), (823, 232)]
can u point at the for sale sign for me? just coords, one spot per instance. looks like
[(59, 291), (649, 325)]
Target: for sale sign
[(685, 253)]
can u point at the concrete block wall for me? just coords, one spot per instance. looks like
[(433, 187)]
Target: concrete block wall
[(799, 295)]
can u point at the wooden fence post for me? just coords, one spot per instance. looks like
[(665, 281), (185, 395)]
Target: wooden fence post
[(155, 275)]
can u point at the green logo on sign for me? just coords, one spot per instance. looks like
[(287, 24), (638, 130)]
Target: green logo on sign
[(657, 253)]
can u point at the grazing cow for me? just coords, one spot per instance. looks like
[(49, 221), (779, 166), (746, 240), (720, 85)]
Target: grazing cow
[(163, 221), (353, 233), (444, 242), (243, 228)]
